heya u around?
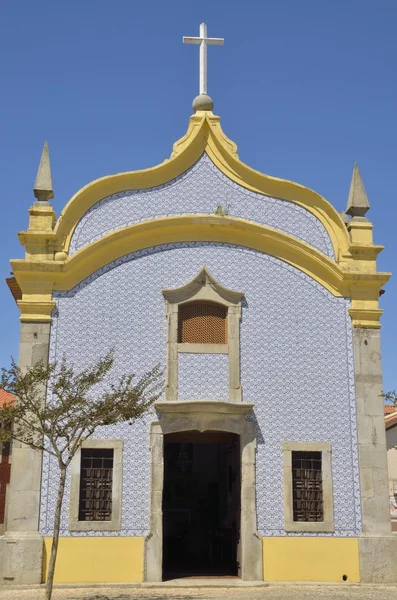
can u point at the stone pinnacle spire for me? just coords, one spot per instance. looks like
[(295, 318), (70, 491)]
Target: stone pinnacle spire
[(357, 204), (43, 185)]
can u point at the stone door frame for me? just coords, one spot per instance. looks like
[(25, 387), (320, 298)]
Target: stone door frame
[(250, 548)]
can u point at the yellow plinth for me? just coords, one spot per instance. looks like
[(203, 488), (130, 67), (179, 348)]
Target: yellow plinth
[(96, 559), (311, 559)]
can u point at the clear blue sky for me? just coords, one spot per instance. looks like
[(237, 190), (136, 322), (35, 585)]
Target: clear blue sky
[(304, 88)]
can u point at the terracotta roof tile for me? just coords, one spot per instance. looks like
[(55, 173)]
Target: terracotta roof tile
[(390, 420), (389, 408), (5, 397)]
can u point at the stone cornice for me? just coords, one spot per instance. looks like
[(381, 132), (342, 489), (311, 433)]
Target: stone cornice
[(205, 406)]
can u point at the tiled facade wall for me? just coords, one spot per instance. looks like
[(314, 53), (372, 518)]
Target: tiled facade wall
[(296, 366), (204, 376), (199, 191)]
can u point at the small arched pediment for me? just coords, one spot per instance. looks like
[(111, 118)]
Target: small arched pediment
[(203, 287)]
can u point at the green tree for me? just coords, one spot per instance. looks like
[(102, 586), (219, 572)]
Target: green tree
[(391, 397), (78, 403)]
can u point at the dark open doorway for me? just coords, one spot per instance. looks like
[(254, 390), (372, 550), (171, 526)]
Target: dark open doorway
[(201, 504)]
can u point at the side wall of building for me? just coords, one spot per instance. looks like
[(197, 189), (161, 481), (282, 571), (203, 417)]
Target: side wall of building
[(391, 444)]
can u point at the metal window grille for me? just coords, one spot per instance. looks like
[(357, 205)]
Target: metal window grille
[(307, 486), (202, 323), (96, 476)]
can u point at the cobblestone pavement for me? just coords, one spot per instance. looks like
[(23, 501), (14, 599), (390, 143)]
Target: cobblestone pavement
[(272, 592)]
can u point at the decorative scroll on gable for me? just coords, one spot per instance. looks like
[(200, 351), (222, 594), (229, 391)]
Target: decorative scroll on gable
[(202, 189)]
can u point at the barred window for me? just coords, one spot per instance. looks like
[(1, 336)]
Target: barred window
[(307, 486), (202, 322), (96, 479)]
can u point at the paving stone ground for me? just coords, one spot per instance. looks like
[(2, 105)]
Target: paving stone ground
[(290, 592)]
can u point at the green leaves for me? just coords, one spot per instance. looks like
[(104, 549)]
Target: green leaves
[(391, 397), (222, 211), (58, 407)]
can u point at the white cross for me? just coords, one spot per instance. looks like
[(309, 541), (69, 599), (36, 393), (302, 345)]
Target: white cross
[(203, 40)]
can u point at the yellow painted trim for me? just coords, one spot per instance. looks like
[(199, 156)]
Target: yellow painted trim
[(204, 135), (311, 559), (189, 228), (37, 279), (96, 559), (36, 311), (366, 317), (67, 274), (46, 266)]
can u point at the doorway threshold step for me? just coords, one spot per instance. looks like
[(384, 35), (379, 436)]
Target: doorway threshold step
[(206, 582)]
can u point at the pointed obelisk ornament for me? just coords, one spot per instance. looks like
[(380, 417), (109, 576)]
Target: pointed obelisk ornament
[(43, 185), (203, 101), (357, 203)]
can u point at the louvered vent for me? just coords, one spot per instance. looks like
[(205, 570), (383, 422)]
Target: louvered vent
[(202, 323)]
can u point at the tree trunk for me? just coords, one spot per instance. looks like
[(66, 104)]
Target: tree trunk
[(55, 538)]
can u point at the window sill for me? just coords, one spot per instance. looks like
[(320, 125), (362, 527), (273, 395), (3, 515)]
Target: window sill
[(94, 525), (309, 526), (204, 348)]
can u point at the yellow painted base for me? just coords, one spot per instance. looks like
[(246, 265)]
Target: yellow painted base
[(96, 559), (310, 559), (120, 559)]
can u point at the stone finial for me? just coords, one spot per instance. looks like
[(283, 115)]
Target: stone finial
[(43, 185), (357, 204), (202, 102)]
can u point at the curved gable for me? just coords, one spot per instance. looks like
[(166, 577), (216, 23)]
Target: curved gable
[(202, 189), (293, 201), (202, 193)]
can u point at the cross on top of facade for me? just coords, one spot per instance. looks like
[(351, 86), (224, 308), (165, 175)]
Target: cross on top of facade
[(203, 40)]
